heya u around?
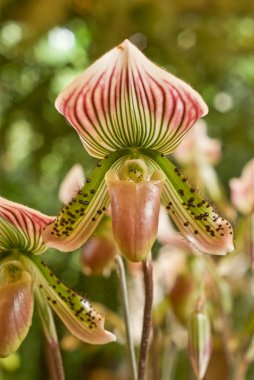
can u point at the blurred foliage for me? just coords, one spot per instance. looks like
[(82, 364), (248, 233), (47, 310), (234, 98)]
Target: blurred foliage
[(43, 45)]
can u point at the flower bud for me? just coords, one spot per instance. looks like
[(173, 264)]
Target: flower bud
[(135, 210), (181, 296), (199, 342), (16, 305)]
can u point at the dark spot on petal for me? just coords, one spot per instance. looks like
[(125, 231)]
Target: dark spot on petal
[(83, 202)]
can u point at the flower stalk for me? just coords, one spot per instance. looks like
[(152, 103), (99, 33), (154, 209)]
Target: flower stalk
[(147, 318), (125, 305)]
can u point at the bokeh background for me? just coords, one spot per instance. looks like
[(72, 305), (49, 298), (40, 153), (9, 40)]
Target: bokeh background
[(43, 45)]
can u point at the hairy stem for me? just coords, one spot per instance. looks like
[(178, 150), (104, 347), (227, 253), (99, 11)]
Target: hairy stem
[(147, 318), (53, 354), (125, 306)]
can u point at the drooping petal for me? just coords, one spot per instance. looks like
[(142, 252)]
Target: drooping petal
[(135, 212), (242, 189), (71, 184), (79, 218), (16, 305), (76, 313), (21, 227), (124, 100), (194, 216)]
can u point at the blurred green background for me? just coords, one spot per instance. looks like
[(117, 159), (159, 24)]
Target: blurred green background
[(44, 44)]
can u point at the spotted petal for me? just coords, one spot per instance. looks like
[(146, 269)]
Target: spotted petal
[(195, 217), (21, 227), (79, 218), (81, 319), (124, 100)]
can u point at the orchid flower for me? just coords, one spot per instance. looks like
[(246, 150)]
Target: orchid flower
[(198, 147), (129, 114), (242, 197), (22, 275), (242, 190), (198, 153)]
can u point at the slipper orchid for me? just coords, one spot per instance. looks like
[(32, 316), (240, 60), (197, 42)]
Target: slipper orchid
[(124, 108), (242, 190), (22, 275)]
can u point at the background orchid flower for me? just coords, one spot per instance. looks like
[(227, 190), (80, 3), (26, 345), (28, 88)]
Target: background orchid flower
[(124, 107), (242, 196), (71, 184), (198, 147), (242, 190), (22, 275), (199, 154), (97, 255)]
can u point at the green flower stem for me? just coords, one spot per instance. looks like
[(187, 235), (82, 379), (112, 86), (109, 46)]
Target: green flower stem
[(169, 359), (52, 350), (250, 239), (147, 318), (225, 317), (125, 305)]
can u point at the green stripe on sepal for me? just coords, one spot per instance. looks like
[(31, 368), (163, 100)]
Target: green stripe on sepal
[(78, 219), (193, 215), (81, 319), (13, 238)]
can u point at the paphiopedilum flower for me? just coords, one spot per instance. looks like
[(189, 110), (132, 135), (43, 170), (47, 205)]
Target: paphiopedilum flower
[(71, 184), (22, 275), (198, 147), (242, 190), (97, 255), (199, 153), (126, 108)]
